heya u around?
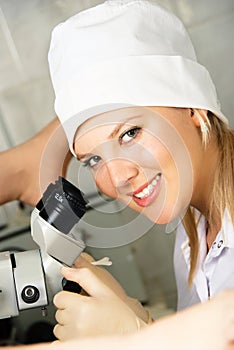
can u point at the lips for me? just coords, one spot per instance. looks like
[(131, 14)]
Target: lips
[(147, 193)]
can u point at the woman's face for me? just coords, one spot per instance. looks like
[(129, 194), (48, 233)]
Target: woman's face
[(144, 156)]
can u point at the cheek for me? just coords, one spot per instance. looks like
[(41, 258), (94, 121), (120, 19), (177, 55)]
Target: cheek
[(175, 195), (178, 188), (104, 183), (175, 162), (157, 156)]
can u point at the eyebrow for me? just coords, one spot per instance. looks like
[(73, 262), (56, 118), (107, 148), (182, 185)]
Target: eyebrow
[(119, 126), (82, 156), (111, 136)]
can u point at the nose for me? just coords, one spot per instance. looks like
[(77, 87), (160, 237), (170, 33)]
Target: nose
[(121, 172)]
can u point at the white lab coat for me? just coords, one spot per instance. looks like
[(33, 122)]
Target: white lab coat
[(215, 270)]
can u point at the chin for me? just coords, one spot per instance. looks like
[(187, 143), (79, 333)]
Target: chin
[(164, 217)]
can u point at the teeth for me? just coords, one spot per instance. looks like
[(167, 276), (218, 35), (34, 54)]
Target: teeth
[(146, 191), (140, 195), (149, 189)]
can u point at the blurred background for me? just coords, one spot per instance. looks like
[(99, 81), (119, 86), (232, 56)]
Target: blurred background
[(145, 266)]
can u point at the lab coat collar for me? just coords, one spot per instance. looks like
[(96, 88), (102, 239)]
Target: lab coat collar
[(228, 230), (225, 238)]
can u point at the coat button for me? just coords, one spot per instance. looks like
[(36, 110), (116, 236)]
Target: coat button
[(220, 243)]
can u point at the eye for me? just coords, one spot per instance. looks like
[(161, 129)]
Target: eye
[(92, 161), (129, 135)]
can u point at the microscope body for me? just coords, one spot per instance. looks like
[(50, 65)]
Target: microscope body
[(23, 284), (30, 279)]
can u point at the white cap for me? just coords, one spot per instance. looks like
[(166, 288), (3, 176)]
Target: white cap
[(127, 52)]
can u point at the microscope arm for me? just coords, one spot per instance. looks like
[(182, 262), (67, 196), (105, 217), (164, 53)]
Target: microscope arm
[(30, 279)]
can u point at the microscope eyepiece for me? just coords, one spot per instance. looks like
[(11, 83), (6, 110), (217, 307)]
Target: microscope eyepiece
[(62, 205)]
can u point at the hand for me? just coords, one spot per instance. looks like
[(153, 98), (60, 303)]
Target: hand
[(114, 285), (104, 310), (207, 326)]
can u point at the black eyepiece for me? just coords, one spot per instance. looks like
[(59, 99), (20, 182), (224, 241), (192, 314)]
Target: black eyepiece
[(62, 205)]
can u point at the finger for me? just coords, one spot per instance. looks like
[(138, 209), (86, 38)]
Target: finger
[(87, 257), (83, 260), (58, 317), (59, 332), (87, 279), (62, 317), (64, 299)]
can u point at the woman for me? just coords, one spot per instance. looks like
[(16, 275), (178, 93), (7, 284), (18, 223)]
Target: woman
[(143, 115)]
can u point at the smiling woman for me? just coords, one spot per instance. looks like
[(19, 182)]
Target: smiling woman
[(142, 158), (142, 115)]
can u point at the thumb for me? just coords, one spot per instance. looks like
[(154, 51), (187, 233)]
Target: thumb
[(88, 281), (83, 260), (87, 257)]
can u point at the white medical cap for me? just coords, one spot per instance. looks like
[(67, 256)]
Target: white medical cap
[(128, 52)]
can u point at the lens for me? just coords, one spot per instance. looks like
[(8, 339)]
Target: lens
[(62, 205)]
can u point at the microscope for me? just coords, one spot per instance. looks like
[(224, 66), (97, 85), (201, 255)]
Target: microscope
[(30, 279)]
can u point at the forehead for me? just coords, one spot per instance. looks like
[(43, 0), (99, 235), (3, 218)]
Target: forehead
[(111, 119), (103, 127)]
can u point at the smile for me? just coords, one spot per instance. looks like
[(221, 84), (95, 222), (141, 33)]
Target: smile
[(148, 189), (147, 193)]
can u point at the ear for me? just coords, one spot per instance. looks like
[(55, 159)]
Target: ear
[(197, 114)]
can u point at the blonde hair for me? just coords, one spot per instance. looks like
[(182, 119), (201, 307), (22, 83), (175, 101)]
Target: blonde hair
[(223, 188)]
